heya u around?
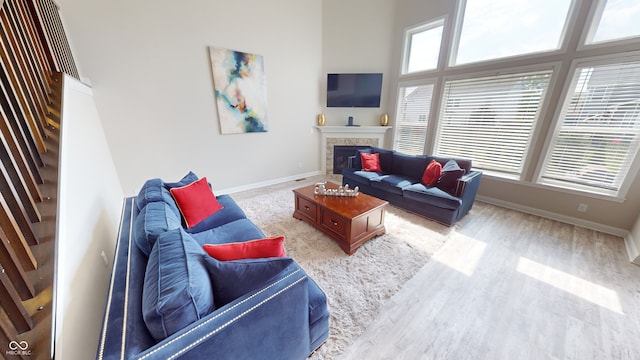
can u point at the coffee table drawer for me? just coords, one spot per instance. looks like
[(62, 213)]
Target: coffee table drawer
[(307, 208), (334, 222)]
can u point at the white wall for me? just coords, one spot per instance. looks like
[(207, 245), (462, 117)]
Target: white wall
[(149, 67), (358, 36), (632, 242), (89, 207)]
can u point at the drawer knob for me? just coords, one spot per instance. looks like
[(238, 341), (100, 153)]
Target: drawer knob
[(307, 208), (335, 223)]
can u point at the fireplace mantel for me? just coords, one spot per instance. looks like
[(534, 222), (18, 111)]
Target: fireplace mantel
[(353, 129), (347, 135)]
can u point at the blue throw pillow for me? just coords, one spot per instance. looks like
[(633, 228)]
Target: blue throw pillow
[(233, 279), (448, 181), (386, 159), (411, 166), (186, 180), (177, 288), (154, 219), (158, 190)]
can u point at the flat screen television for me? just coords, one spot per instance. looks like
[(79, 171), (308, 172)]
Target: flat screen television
[(354, 90)]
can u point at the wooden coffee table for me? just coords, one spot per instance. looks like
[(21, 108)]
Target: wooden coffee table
[(350, 221)]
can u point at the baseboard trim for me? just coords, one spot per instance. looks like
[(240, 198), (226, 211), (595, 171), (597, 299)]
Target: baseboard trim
[(559, 217), (267, 183), (632, 248), (629, 241)]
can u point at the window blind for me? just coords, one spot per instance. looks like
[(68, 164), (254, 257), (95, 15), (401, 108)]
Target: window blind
[(596, 139), (491, 120), (414, 107)]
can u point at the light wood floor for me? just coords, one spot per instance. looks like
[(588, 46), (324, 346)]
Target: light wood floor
[(508, 285)]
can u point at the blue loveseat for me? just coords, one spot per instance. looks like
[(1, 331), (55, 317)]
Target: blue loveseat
[(399, 183), (168, 299)]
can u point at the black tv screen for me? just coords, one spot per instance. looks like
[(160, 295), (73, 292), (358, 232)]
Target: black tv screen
[(354, 90)]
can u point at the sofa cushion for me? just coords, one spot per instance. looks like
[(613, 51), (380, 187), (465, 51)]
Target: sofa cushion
[(177, 287), (252, 249), (448, 180), (386, 159), (230, 212), (195, 201), (410, 166), (233, 279), (370, 162), (154, 219), (432, 173), (155, 190), (234, 231), (362, 176), (392, 183), (432, 196), (151, 191)]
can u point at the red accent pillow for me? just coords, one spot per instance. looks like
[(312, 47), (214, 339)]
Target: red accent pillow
[(370, 162), (432, 173), (196, 201), (253, 249)]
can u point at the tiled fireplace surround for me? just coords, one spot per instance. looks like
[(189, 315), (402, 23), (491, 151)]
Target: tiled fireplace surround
[(347, 136)]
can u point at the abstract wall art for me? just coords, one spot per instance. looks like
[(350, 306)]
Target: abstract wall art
[(240, 91)]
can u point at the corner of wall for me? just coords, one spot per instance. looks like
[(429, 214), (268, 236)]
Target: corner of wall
[(631, 244)]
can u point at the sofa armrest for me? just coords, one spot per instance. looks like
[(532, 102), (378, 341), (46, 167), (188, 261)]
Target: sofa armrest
[(467, 188), (278, 316), (350, 161)]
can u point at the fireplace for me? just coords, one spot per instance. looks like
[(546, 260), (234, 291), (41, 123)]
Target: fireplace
[(350, 136), (341, 155)]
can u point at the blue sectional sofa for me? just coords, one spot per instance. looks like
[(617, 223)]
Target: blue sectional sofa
[(168, 299), (399, 183)]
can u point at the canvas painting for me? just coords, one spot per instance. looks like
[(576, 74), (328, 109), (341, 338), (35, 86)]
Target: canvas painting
[(240, 91)]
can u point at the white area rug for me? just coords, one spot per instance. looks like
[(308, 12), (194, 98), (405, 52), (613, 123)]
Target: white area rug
[(356, 286)]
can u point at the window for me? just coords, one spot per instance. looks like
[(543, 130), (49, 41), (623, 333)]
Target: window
[(487, 102), (596, 138), (493, 29), (423, 47), (414, 106), (491, 120), (614, 20)]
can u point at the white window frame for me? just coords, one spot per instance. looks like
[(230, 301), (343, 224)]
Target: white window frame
[(586, 38), (409, 32), (430, 118), (457, 32), (556, 124)]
